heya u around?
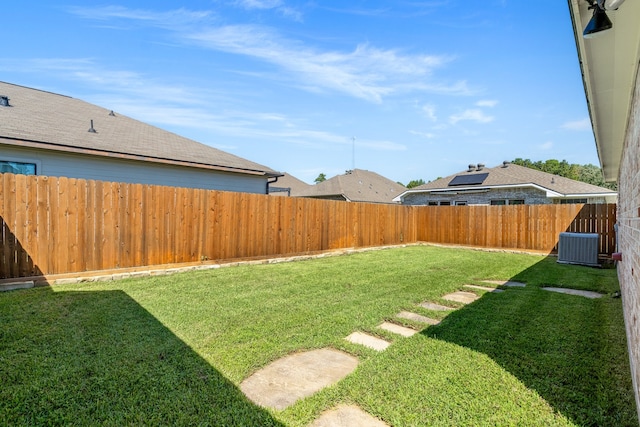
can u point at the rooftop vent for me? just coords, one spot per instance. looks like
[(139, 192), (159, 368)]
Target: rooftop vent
[(471, 168), (112, 113), (480, 166), (91, 129), (506, 164), (4, 101)]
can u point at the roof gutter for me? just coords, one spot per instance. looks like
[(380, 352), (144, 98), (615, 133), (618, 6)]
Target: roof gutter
[(467, 190), (117, 155)]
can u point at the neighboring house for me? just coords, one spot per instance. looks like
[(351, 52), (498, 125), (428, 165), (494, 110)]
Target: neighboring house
[(44, 133), (355, 186), (507, 184), (287, 185), (609, 63)]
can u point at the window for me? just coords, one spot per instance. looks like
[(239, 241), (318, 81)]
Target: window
[(445, 203), (461, 203), (17, 167), (572, 201), (433, 203), (502, 202)]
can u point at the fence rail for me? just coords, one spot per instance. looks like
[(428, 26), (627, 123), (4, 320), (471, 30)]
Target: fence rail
[(63, 225)]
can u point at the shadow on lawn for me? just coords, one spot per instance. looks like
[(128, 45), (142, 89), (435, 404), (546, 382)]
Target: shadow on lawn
[(100, 358), (569, 349)]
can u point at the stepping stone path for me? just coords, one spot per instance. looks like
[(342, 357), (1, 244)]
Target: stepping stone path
[(435, 307), (347, 416), (506, 283), (484, 288), (293, 377), (461, 297), (299, 375), (367, 340), (397, 329), (587, 294), (417, 318)]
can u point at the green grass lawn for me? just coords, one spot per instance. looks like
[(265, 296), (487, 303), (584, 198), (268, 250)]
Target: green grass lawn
[(172, 350)]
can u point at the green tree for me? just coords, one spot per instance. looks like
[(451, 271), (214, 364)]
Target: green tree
[(321, 178), (415, 183), (590, 174)]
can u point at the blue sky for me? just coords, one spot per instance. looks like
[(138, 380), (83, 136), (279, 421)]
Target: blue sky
[(424, 87)]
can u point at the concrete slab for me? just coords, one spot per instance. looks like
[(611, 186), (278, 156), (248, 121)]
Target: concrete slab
[(587, 294), (367, 340), (417, 318), (435, 307), (12, 286), (461, 296), (299, 375), (484, 288), (347, 416), (506, 283), (397, 329)]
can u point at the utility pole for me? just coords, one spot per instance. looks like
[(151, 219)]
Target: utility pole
[(353, 153)]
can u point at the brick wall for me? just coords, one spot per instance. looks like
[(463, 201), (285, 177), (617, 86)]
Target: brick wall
[(531, 196), (629, 237)]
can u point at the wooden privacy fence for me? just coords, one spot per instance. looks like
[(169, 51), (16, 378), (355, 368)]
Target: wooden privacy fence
[(63, 225), (527, 227)]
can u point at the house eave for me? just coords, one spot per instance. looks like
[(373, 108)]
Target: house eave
[(116, 155), (551, 194), (609, 65)]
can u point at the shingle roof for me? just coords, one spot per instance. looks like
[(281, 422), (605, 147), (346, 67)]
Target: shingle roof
[(58, 122), (287, 181), (516, 175), (356, 186)]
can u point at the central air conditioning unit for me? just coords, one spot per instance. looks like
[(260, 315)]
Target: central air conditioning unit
[(578, 248)]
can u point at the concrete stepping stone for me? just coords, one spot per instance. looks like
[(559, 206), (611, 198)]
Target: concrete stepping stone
[(435, 307), (286, 380), (417, 318), (461, 297), (347, 416), (367, 340), (397, 329), (506, 283), (12, 286), (587, 294), (484, 288)]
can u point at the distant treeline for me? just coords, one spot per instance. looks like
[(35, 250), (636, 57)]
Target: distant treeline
[(591, 174)]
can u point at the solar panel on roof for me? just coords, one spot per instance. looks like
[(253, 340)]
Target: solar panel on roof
[(476, 178)]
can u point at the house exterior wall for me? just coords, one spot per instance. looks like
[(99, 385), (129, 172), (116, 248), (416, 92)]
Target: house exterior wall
[(530, 196), (53, 163), (629, 237)]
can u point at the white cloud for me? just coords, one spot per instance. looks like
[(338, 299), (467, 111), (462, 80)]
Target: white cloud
[(260, 4), (490, 103), (169, 20), (546, 146), (366, 72), (430, 111), (277, 5), (474, 115), (426, 135), (578, 125)]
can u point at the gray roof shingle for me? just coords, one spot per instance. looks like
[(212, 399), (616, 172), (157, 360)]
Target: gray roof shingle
[(513, 175), (356, 186), (54, 121), (287, 181)]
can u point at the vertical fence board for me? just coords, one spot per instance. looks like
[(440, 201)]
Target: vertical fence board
[(62, 225)]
